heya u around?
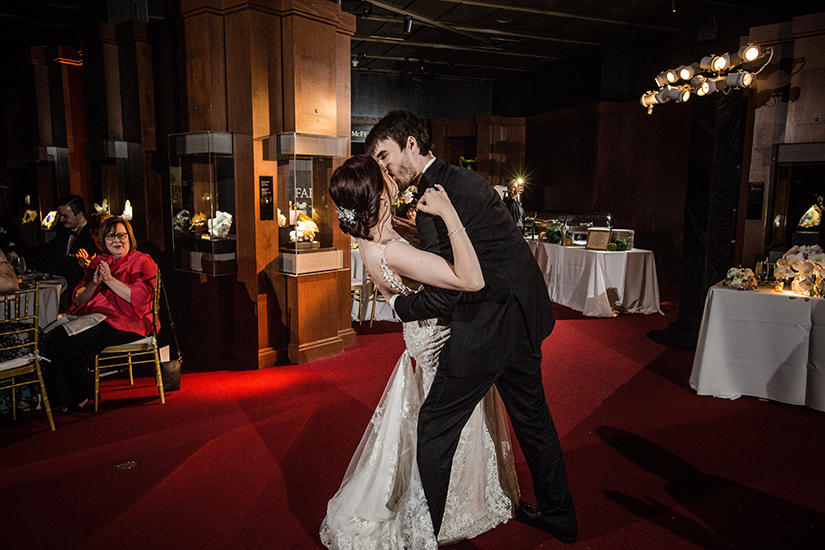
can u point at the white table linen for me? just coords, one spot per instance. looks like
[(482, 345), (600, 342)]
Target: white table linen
[(761, 343), (49, 303), (383, 311), (599, 283)]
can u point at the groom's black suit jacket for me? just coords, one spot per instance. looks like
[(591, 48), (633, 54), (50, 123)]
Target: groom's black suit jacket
[(514, 298)]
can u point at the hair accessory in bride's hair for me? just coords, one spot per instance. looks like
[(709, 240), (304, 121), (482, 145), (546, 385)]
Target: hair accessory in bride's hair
[(346, 215)]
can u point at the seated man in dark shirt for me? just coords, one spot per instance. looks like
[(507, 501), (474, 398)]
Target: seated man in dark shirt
[(59, 255)]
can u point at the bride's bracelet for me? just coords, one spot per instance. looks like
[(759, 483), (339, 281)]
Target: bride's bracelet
[(456, 231)]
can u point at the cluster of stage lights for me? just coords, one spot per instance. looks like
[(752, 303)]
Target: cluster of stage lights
[(712, 74)]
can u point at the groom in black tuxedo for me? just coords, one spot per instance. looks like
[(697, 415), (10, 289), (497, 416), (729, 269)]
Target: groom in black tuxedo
[(496, 333)]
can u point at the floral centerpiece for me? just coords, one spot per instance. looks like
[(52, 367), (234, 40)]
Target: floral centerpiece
[(804, 268), (741, 278), (405, 202)]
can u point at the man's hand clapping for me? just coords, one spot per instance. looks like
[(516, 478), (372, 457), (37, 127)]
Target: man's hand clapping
[(83, 258)]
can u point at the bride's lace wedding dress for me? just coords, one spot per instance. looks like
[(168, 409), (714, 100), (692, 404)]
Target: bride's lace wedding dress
[(381, 503)]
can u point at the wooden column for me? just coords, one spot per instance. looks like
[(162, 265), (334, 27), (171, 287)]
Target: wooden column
[(138, 112), (256, 70), (67, 69), (101, 76)]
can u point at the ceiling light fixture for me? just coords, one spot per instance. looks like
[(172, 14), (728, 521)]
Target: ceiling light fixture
[(408, 24), (712, 74), (749, 53)]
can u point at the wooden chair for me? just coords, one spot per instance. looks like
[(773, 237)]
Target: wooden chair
[(20, 329), (138, 352), (376, 297), (356, 289)]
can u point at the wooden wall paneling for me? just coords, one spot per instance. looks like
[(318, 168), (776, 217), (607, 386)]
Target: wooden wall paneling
[(56, 99), (312, 303), (204, 66), (102, 84), (343, 92), (315, 84), (68, 68), (246, 284), (340, 240), (486, 130), (42, 100), (137, 84), (288, 71), (510, 149), (239, 91)]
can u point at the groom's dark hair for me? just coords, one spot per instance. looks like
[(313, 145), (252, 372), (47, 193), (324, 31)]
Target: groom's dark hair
[(398, 126)]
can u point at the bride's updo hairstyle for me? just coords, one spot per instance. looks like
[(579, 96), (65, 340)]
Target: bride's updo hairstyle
[(356, 188)]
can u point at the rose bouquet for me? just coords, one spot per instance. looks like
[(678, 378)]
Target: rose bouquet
[(739, 278)]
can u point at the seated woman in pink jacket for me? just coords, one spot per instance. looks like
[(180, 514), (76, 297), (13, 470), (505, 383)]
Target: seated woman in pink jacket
[(119, 285)]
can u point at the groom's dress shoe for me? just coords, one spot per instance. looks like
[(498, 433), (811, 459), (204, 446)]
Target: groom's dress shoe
[(529, 514)]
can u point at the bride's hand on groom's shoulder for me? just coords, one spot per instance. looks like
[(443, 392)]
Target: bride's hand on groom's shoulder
[(435, 201)]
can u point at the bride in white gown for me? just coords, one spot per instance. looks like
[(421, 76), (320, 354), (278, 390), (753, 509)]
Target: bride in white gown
[(381, 501)]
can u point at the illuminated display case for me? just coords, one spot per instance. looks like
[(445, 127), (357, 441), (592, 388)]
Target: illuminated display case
[(39, 176), (202, 182), (116, 171), (306, 214)]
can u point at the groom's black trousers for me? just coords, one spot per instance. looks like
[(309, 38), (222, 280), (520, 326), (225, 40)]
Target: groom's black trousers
[(450, 403)]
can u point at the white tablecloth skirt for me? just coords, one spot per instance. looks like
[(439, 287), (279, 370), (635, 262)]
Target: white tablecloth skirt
[(599, 283), (761, 343)]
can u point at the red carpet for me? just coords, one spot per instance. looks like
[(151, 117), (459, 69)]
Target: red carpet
[(248, 459)]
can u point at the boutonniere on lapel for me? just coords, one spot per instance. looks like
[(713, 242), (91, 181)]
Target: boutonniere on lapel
[(405, 202)]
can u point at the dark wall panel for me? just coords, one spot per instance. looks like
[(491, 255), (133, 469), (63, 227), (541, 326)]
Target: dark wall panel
[(375, 94)]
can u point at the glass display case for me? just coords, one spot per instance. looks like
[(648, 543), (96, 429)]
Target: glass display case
[(39, 177), (306, 214), (202, 182), (116, 171)]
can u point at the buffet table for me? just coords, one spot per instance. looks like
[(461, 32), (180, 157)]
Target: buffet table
[(599, 283), (383, 311), (761, 343)]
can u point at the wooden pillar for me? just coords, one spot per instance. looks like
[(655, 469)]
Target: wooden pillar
[(67, 69), (101, 75), (138, 112), (257, 70)]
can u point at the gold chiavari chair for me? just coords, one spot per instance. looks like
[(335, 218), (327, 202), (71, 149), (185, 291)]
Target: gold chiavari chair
[(20, 331), (139, 352)]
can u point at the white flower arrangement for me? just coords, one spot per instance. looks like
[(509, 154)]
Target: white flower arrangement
[(804, 267), (740, 278)]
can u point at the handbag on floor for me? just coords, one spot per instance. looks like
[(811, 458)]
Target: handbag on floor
[(170, 370)]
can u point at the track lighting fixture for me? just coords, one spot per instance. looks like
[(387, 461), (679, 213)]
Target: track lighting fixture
[(666, 77), (749, 53), (712, 74)]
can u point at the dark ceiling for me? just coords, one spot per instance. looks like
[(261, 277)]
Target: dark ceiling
[(466, 39), (499, 39)]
